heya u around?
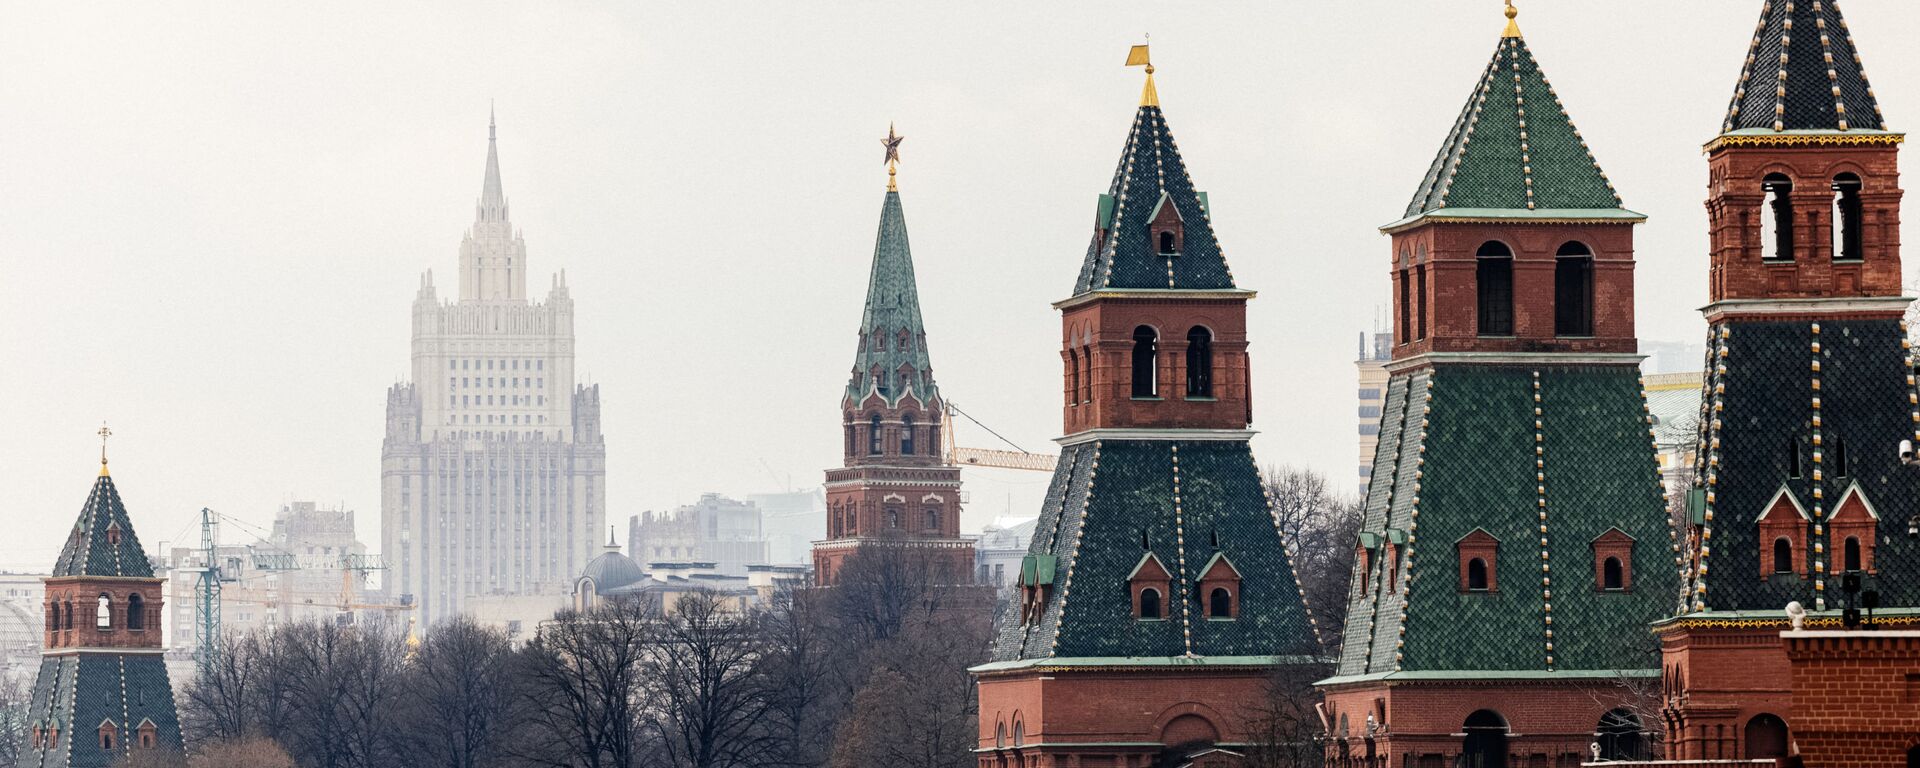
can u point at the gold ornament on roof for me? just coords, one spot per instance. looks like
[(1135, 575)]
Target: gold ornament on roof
[(104, 433), (1138, 56), (892, 143), (1513, 25)]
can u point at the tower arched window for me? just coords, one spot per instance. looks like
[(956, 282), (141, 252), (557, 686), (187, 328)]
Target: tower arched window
[(136, 612), (1573, 291), (1146, 356), (1847, 213), (1852, 560), (1220, 603), (893, 518), (1149, 603), (1168, 245), (1782, 555), (1612, 575), (1073, 376), (67, 622), (1086, 375), (933, 519), (103, 613), (1493, 284), (873, 434), (1406, 306), (906, 435), (1776, 218), (1476, 575), (1420, 302), (1199, 362)]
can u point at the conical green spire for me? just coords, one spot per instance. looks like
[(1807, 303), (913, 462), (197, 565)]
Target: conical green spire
[(892, 358), (102, 542), (1515, 154), (1151, 177)]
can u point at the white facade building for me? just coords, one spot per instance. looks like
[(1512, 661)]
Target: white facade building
[(493, 472)]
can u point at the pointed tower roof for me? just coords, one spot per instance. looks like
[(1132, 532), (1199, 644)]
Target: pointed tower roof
[(1151, 175), (1802, 74), (1514, 153), (493, 196), (102, 542), (893, 310)]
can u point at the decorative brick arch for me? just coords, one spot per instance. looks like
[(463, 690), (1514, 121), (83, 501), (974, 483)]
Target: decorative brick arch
[(1188, 722)]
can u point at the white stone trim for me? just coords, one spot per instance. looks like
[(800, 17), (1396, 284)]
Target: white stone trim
[(1095, 435), (1517, 358), (1737, 307)]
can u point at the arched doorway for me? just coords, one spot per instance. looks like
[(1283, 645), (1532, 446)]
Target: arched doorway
[(1913, 757), (1766, 737), (1485, 745), (1620, 737)]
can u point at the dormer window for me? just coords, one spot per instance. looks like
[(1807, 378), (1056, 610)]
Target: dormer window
[(1478, 553), (1164, 227), (1169, 244), (1220, 587), (1149, 584), (1854, 523), (1036, 585), (1613, 561), (1782, 532), (113, 534)]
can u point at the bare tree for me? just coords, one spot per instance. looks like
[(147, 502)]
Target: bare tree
[(581, 682), (1319, 529), (706, 685), (244, 753), (343, 690), (918, 708), (14, 702), (1283, 725), (226, 700), (797, 661), (458, 696)]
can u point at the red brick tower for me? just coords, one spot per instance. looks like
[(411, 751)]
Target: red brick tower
[(1801, 483), (1514, 541), (896, 489), (102, 695), (1157, 600)]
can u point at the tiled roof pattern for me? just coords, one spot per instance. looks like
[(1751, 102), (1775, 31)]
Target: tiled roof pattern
[(90, 551), (1762, 396), (1803, 73), (893, 309), (1094, 523), (1121, 255), (76, 692), (1463, 445), (1513, 148)]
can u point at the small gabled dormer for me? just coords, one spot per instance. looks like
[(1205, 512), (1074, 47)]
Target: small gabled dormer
[(1395, 543), (1036, 586), (1478, 552), (1220, 588), (1613, 561), (1149, 586), (1854, 523), (1166, 231), (148, 734), (1783, 535), (1365, 550)]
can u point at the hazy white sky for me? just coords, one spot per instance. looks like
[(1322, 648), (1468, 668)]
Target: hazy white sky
[(213, 217)]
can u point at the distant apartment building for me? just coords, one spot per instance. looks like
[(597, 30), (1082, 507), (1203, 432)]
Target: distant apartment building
[(792, 522), (22, 598), (1673, 400), (998, 552), (725, 532), (1372, 365)]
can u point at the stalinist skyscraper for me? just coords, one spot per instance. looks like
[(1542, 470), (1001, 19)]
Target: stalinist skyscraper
[(493, 471)]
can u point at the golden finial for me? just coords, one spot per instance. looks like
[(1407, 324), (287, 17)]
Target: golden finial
[(1139, 57), (104, 433), (892, 143), (413, 639), (1513, 26)]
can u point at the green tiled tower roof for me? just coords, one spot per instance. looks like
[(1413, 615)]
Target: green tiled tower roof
[(892, 335), (1113, 502), (1544, 459), (1803, 74), (1514, 152), (91, 548), (1151, 175)]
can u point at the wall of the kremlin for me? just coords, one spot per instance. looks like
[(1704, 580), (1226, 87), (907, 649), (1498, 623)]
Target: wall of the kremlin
[(1716, 681), (1111, 718), (1856, 697), (1553, 719)]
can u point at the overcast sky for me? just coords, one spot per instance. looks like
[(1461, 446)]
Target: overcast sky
[(213, 217)]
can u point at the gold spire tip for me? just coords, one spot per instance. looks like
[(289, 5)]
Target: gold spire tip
[(1513, 25), (1140, 56), (104, 433)]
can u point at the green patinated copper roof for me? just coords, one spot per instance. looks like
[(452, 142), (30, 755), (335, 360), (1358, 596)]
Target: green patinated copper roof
[(1477, 456), (1184, 502), (1513, 149), (892, 359), (1803, 73), (102, 542), (1151, 176)]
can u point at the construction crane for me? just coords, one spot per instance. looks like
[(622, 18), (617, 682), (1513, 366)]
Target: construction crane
[(1018, 458)]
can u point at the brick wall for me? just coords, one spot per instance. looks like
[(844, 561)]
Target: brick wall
[(1856, 696), (1099, 332), (1735, 207)]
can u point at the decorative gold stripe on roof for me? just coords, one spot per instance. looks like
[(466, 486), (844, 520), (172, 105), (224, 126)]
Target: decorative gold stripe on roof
[(1801, 139), (1811, 621)]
